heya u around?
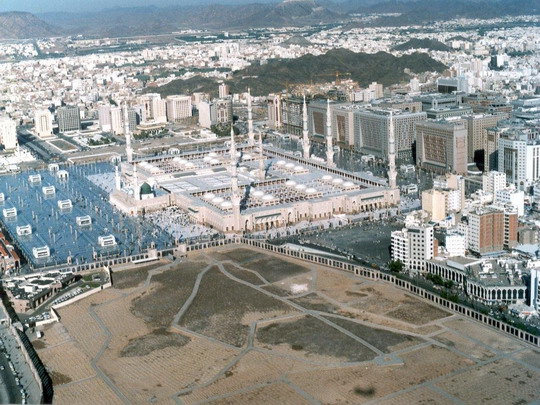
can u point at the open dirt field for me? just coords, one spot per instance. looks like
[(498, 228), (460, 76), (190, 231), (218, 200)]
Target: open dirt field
[(240, 326)]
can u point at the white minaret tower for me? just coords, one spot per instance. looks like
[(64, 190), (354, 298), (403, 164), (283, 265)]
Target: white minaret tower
[(136, 189), (236, 198), (118, 182), (329, 146), (305, 134), (251, 134), (261, 158), (127, 134), (392, 175)]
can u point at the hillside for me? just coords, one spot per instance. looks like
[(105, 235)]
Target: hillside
[(154, 20), (425, 11), (17, 25), (272, 77), (429, 44)]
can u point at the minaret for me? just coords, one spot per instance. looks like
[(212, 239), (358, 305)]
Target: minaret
[(236, 198), (329, 146), (136, 190), (251, 134), (232, 150), (127, 134), (392, 154), (261, 158), (305, 137), (118, 182)]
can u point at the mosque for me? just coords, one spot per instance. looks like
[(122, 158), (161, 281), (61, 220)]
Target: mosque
[(250, 187)]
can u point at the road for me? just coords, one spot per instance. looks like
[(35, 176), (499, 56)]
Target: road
[(9, 390)]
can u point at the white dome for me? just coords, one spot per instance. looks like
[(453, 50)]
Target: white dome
[(268, 197), (337, 181), (280, 163), (209, 196), (289, 165), (212, 154), (247, 156), (177, 159), (258, 193), (214, 161), (217, 200), (290, 183), (327, 177), (311, 190), (207, 159), (300, 187), (226, 204), (189, 164), (348, 184), (298, 168), (182, 161)]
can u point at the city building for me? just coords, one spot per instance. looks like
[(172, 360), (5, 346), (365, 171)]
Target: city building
[(493, 181), (104, 116), (476, 125), (69, 118), (217, 112), (440, 113), (224, 90), (519, 159), (43, 124), (153, 108), (372, 128), (491, 282), (178, 108), (486, 230), (8, 133), (413, 245), (441, 146)]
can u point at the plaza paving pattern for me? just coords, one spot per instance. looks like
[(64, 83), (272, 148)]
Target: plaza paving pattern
[(237, 325)]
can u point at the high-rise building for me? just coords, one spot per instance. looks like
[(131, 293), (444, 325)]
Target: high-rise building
[(291, 115), (43, 123), (493, 181), (476, 126), (224, 90), (274, 111), (413, 245), (486, 230), (178, 108), (154, 109), (511, 225), (519, 159), (104, 116), (372, 128), (207, 114), (117, 120), (224, 110), (69, 118), (8, 133), (441, 146)]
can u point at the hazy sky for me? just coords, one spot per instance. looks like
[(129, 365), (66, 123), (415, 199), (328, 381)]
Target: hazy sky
[(43, 6)]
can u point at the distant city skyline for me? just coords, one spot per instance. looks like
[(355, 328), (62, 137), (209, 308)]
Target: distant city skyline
[(45, 6)]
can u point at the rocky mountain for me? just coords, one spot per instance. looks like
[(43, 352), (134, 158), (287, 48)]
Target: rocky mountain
[(154, 20), (273, 77), (18, 25)]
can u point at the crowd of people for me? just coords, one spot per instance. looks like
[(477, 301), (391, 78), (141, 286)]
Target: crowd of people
[(178, 224)]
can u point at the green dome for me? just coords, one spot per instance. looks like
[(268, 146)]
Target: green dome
[(146, 189)]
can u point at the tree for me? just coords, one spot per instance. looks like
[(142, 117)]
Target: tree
[(395, 266)]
